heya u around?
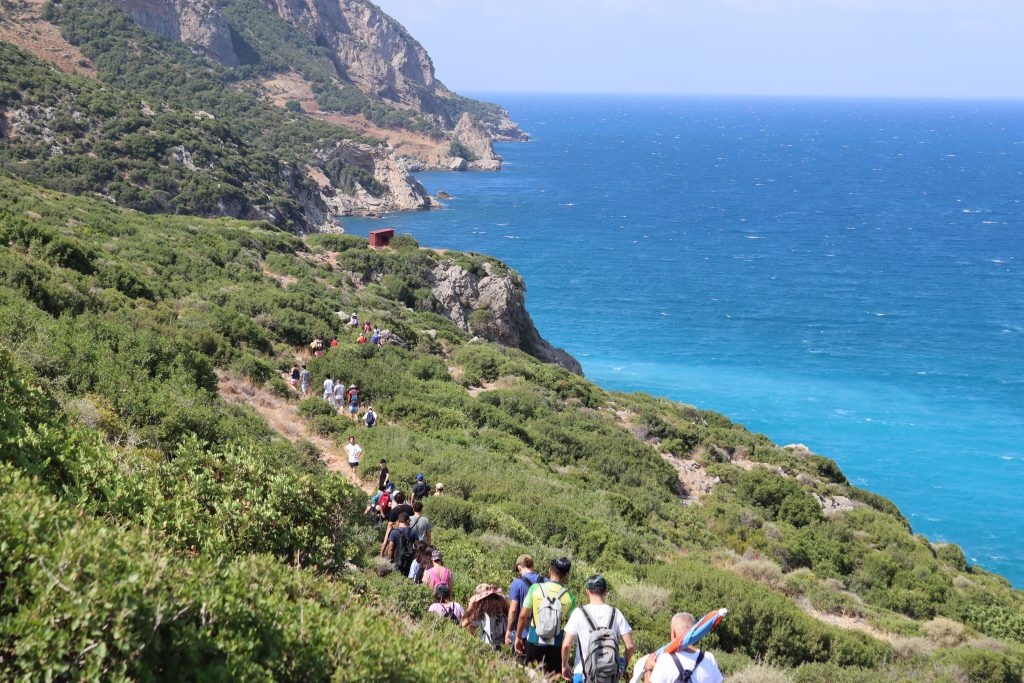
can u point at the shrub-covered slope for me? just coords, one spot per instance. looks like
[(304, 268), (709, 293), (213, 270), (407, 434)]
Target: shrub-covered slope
[(160, 531)]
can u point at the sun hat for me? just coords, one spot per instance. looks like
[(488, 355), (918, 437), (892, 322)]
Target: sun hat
[(485, 590), (440, 486)]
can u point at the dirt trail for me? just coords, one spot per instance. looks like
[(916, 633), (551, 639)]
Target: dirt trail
[(283, 417)]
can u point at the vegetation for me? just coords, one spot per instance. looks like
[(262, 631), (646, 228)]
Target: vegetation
[(151, 529)]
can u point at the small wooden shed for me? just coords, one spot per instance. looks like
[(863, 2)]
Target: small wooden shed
[(380, 239)]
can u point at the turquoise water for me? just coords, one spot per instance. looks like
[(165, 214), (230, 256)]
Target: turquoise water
[(844, 274)]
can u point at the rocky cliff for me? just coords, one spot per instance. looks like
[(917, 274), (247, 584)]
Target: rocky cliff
[(492, 304), (198, 22)]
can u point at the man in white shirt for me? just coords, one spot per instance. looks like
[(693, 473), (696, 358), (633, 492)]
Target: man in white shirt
[(328, 389), (596, 614), (354, 451), (659, 667)]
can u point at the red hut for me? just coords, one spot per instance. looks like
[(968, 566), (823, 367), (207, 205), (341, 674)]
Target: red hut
[(380, 239)]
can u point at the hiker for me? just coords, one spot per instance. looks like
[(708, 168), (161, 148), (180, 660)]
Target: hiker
[(384, 476), (422, 562), (334, 343), (444, 606), (421, 489), (354, 451), (437, 575), (361, 339), (525, 578), (690, 665), (338, 400), (329, 390), (367, 328), (375, 339), (377, 500), (400, 545), (439, 489), (317, 345), (398, 507), (421, 525), (487, 611), (370, 418), (295, 375), (307, 379), (597, 626), (352, 399), (354, 320), (545, 610)]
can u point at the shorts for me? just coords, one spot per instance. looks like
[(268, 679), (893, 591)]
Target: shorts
[(550, 656), (353, 465), (305, 387), (354, 408)]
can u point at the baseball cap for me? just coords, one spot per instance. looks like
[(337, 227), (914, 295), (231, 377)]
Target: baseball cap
[(436, 555), (597, 584), (419, 477), (562, 565)]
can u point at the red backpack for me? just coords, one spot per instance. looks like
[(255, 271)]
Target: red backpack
[(383, 501)]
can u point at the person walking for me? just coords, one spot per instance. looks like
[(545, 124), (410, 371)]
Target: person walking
[(401, 545), (354, 452), (352, 399), (370, 418), (329, 390), (306, 377), (487, 611), (691, 664), (384, 476), (439, 489), (545, 610), (420, 524), (444, 606), (525, 578), (439, 574), (295, 375), (338, 399), (421, 489), (597, 628)]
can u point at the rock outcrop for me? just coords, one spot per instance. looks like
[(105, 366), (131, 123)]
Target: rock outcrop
[(477, 140), (493, 306), (404, 193), (198, 22)]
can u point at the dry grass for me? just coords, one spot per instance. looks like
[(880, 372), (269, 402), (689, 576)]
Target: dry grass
[(763, 571), (652, 599), (910, 648), (945, 632), (760, 673)]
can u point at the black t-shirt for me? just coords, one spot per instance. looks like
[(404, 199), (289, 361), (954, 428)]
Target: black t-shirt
[(382, 478), (399, 509)]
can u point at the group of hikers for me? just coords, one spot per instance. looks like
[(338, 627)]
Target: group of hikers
[(368, 334), (539, 620)]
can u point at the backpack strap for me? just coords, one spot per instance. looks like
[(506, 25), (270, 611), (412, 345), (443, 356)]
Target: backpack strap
[(686, 674), (590, 622), (611, 620)]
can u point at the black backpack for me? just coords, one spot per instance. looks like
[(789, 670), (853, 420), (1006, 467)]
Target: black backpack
[(686, 674), (450, 613), (404, 550)]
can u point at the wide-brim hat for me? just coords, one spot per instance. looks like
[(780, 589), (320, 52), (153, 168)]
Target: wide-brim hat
[(485, 590)]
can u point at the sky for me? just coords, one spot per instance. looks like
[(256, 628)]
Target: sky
[(884, 48)]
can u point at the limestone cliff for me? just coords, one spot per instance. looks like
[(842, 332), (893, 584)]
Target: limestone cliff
[(492, 305), (403, 193), (198, 22), (474, 137)]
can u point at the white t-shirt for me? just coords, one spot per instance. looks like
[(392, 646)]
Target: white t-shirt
[(579, 627), (339, 392), (665, 670), (354, 451), (328, 387)]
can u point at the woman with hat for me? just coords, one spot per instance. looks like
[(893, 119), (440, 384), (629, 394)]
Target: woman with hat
[(488, 611), (352, 398)]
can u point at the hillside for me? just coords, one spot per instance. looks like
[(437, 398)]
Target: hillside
[(156, 525), (290, 112)]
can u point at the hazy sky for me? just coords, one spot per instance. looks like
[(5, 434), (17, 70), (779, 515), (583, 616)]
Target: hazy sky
[(942, 48)]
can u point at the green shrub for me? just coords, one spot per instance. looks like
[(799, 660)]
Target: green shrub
[(984, 666)]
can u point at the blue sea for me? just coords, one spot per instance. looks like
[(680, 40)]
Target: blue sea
[(846, 274)]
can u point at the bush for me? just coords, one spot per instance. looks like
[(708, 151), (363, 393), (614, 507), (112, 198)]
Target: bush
[(315, 407), (945, 632), (984, 666)]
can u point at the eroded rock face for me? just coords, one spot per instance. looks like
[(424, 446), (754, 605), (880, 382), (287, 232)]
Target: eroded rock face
[(405, 193), (477, 140), (493, 307), (198, 22)]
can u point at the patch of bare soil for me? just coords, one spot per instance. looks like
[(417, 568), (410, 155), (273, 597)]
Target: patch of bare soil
[(283, 417), (848, 623), (22, 24)]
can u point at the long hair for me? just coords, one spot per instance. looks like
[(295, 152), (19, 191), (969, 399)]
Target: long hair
[(494, 605)]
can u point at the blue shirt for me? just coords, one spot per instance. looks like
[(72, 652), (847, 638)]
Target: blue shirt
[(517, 591)]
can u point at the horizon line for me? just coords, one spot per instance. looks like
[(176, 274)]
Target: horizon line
[(738, 95)]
